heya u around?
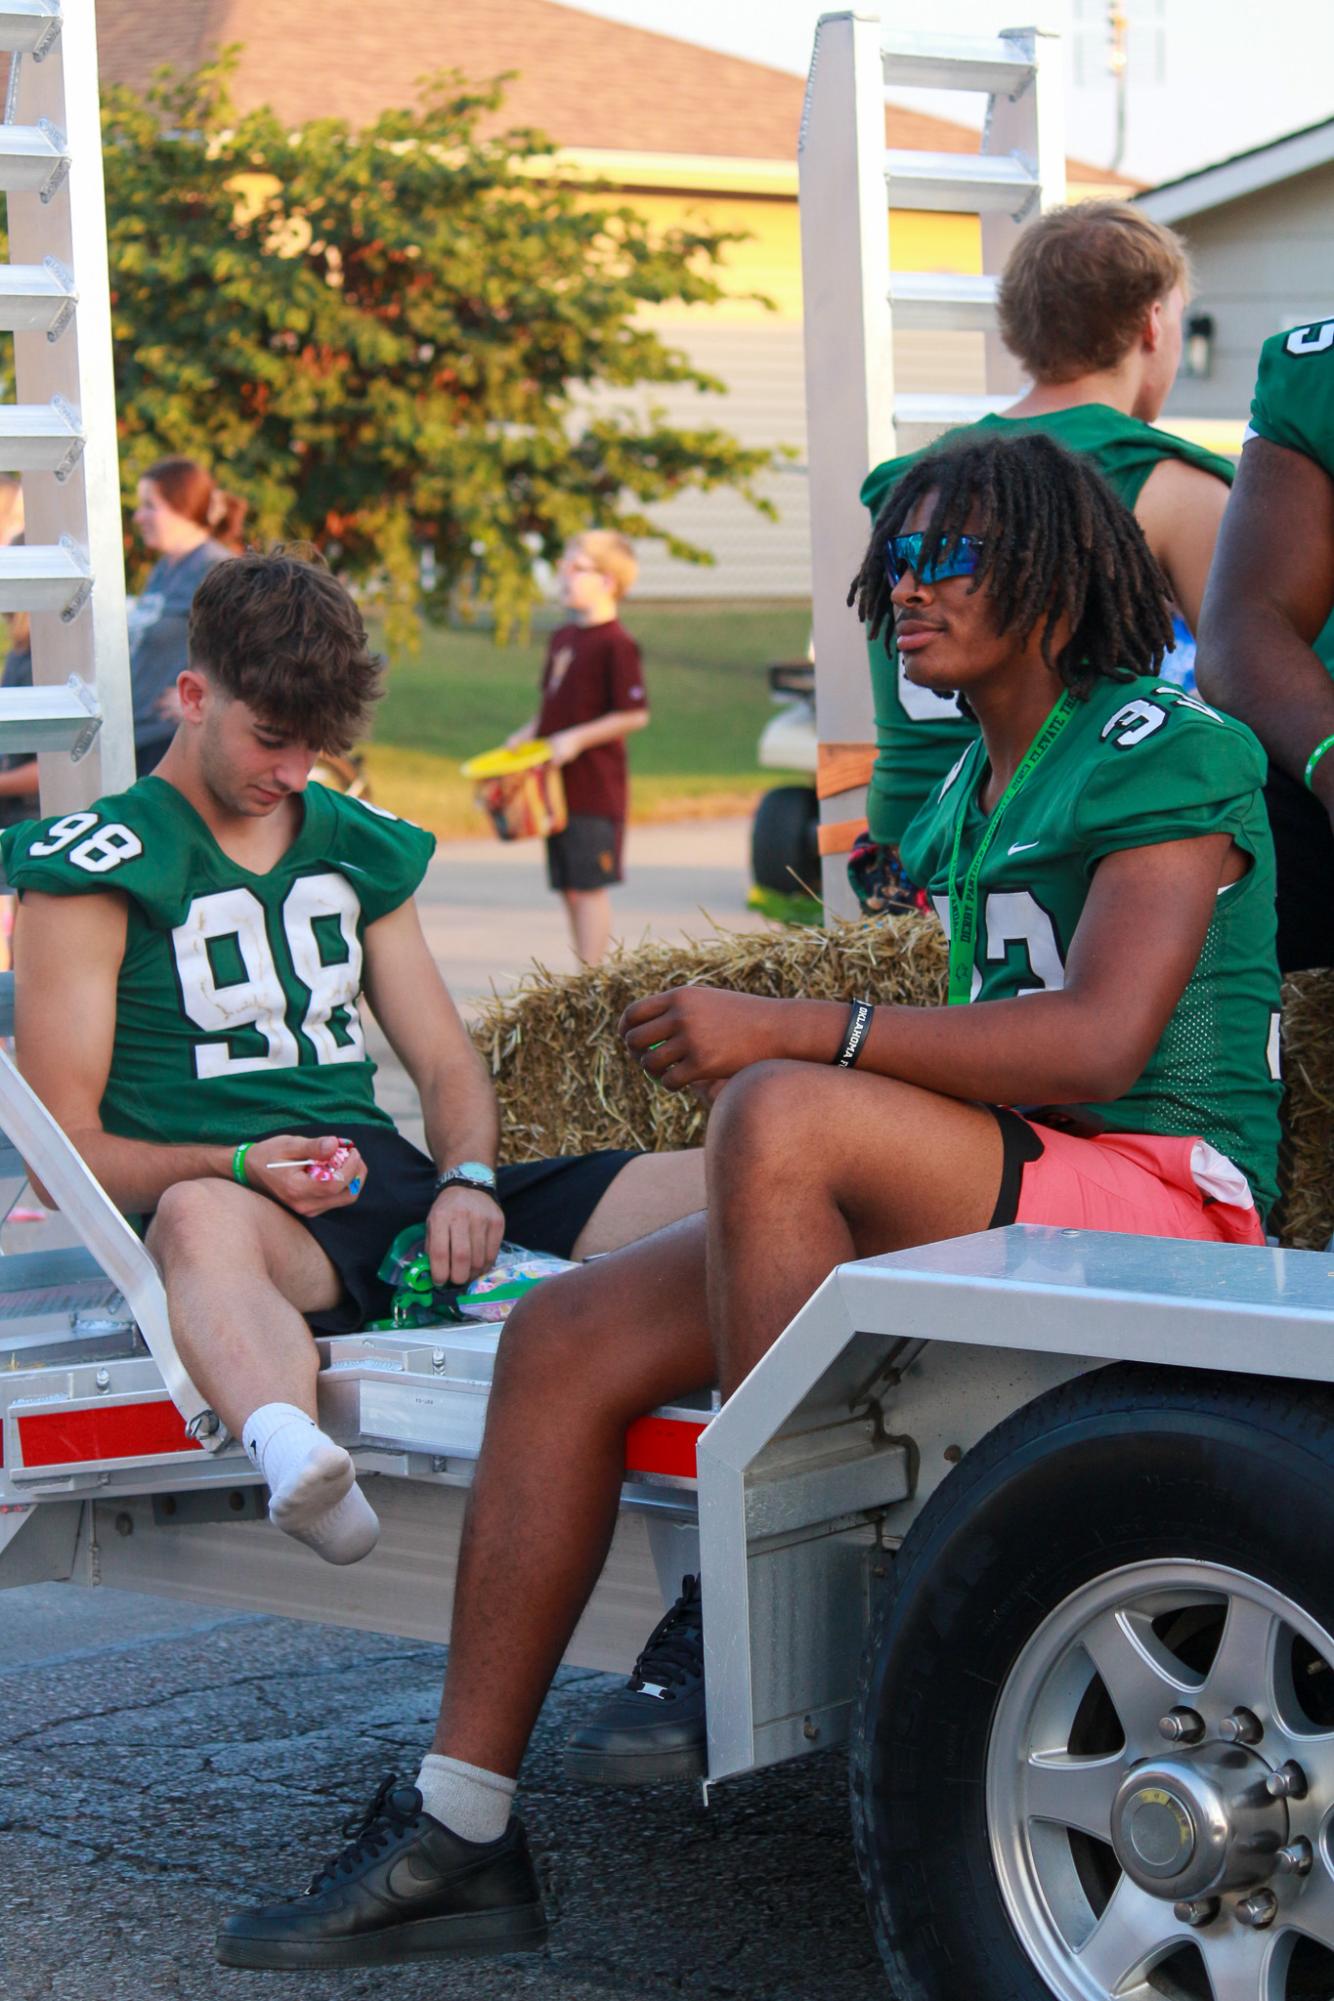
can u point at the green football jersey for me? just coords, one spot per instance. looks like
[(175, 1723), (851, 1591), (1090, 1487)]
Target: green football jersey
[(918, 733), (237, 1000), (1139, 763), (1294, 406)]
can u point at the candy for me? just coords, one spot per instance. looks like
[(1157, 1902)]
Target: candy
[(329, 1170)]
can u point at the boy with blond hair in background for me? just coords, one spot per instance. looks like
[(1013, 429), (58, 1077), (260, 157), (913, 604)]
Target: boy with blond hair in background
[(592, 699)]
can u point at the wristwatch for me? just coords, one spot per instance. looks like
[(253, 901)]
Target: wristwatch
[(468, 1174)]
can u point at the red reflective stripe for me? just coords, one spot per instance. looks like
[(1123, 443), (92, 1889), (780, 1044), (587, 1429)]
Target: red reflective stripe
[(662, 1445), (113, 1431)]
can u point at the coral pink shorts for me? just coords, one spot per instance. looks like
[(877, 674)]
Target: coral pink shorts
[(1144, 1183)]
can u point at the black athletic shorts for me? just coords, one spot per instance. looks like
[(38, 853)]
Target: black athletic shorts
[(586, 854), (546, 1204), (1304, 847)]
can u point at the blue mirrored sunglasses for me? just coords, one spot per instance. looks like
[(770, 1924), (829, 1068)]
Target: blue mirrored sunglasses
[(960, 558)]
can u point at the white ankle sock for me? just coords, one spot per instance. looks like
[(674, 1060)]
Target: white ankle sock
[(470, 1802), (313, 1494)]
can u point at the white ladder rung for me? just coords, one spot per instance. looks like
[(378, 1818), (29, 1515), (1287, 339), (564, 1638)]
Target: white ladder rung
[(33, 719), (960, 183), (955, 62), (943, 301), (34, 159), (36, 298), (39, 437), (943, 413), (44, 577), (29, 27)]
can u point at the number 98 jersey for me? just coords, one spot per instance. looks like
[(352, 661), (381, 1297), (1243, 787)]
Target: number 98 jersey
[(237, 1004)]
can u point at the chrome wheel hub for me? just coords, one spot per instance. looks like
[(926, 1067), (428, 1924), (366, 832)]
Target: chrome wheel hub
[(1198, 1822), (1160, 1791)]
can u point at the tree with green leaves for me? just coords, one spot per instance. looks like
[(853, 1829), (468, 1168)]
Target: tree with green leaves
[(398, 340)]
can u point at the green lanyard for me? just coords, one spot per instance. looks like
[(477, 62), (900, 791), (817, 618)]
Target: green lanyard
[(963, 902)]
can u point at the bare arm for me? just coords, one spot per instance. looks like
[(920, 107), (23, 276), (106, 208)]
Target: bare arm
[(69, 950), (1180, 509), (1139, 939), (413, 1006), (1271, 591), (569, 744), (21, 781)]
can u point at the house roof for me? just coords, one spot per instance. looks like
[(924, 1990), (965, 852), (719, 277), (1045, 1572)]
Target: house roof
[(1241, 174), (585, 81)]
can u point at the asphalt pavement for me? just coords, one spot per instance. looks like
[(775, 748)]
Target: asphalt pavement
[(160, 1766)]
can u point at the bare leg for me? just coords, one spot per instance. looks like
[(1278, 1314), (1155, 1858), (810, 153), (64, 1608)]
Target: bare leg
[(590, 922), (822, 1165), (808, 1167), (647, 1194), (579, 1361), (239, 1274)]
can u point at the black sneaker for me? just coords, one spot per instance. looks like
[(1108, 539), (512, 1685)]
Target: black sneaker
[(654, 1728), (406, 1888)]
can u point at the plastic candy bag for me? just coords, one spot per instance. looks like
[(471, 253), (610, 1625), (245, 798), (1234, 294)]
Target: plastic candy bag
[(418, 1302)]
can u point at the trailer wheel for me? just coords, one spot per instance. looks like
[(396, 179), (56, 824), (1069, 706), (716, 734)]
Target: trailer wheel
[(1095, 1753), (784, 840)]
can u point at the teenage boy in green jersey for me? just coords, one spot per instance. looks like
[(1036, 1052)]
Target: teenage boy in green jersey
[(1115, 868), (1267, 636), (1091, 304), (192, 956)]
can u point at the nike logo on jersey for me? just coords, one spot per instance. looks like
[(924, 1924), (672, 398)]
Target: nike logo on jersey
[(1022, 847)]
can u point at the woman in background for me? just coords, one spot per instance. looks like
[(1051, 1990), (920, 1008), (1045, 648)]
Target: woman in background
[(188, 521)]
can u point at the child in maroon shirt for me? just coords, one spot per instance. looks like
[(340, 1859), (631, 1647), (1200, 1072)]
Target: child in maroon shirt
[(592, 699)]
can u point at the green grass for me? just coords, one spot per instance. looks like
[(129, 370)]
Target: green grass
[(704, 665)]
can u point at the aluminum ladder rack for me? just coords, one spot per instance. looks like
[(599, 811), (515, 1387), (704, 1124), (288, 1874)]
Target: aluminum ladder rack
[(851, 185), (60, 432)]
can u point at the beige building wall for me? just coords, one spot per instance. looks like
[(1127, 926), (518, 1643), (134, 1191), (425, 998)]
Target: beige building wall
[(754, 346), (1262, 263)]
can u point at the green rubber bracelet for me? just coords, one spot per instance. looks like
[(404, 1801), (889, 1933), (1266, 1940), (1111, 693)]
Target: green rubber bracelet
[(238, 1162), (1314, 759)]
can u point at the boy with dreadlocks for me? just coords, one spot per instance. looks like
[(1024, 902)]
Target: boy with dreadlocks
[(1102, 858)]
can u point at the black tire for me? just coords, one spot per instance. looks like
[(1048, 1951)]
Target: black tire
[(784, 840), (1122, 1466)]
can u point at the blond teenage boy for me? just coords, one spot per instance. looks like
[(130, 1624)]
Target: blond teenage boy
[(592, 698)]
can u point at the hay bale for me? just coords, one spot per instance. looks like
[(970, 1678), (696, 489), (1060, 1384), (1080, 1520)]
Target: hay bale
[(565, 1084), (564, 1081), (1304, 1218)]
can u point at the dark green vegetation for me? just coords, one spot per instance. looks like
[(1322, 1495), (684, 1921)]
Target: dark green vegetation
[(407, 342)]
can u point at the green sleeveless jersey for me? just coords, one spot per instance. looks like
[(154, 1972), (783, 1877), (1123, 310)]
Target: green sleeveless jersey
[(1294, 406), (919, 734), (1139, 763), (237, 1000)]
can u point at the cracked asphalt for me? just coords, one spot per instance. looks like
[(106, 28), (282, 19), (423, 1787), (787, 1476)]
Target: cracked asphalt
[(159, 1767)]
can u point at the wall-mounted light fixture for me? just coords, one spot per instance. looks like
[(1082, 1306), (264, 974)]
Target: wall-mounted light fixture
[(1198, 351)]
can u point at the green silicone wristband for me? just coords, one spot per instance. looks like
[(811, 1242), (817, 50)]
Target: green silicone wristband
[(1314, 759), (238, 1163)]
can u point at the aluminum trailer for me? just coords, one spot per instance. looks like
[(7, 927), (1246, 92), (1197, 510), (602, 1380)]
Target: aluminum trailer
[(1036, 1520)]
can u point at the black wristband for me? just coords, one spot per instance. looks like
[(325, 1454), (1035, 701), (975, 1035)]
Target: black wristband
[(858, 1028)]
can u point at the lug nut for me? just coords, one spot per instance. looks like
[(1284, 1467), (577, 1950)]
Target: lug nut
[(1258, 1910), (1296, 1858), (1196, 1910), (1181, 1726), (1243, 1726), (1287, 1783)]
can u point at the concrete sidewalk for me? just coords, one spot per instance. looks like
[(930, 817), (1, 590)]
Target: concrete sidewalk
[(488, 912)]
